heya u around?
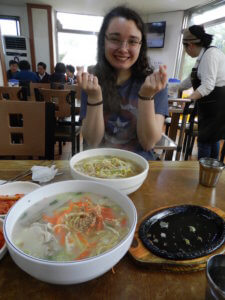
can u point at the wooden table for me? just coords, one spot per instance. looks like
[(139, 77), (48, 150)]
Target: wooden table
[(167, 183)]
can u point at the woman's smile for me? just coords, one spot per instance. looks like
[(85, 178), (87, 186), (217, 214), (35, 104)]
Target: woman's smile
[(120, 48)]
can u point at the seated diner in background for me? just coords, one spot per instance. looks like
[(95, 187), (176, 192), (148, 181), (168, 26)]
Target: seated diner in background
[(208, 81), (59, 75), (43, 76), (123, 103), (25, 74), (70, 76), (13, 69)]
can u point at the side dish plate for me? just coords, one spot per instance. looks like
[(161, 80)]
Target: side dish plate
[(183, 232)]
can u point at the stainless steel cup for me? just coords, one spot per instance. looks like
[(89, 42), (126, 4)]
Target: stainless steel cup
[(210, 170), (215, 273)]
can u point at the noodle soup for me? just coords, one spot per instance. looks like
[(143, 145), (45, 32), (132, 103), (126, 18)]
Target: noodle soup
[(107, 166), (70, 226)]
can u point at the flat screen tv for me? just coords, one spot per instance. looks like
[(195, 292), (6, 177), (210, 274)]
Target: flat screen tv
[(156, 34)]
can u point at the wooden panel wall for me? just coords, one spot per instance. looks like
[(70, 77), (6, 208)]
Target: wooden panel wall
[(31, 9)]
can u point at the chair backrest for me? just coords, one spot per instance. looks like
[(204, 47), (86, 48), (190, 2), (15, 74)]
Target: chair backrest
[(10, 93), (25, 129), (59, 98), (34, 90), (74, 87)]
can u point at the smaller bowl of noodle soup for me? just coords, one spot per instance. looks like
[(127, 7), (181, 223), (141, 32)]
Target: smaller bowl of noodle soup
[(71, 231), (121, 169)]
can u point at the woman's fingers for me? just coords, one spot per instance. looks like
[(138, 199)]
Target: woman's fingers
[(95, 81), (155, 82), (163, 74), (89, 83)]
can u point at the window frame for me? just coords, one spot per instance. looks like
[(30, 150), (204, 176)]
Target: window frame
[(13, 18), (72, 31)]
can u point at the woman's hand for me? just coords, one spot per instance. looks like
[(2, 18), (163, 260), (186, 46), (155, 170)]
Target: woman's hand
[(89, 83), (154, 83)]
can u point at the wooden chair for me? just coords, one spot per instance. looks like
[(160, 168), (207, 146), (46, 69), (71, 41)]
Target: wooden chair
[(59, 98), (67, 126), (165, 144), (191, 131), (34, 90), (11, 93), (33, 132)]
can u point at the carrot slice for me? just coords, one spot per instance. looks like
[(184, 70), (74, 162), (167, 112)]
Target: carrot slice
[(123, 222), (82, 239), (48, 219), (83, 254), (107, 213)]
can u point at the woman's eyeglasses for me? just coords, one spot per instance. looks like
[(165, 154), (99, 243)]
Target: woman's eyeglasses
[(185, 44), (117, 43)]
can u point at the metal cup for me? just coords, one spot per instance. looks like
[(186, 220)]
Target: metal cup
[(215, 273), (210, 170)]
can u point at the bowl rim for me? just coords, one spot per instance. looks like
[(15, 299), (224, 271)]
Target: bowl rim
[(66, 263), (20, 183), (10, 184), (146, 169)]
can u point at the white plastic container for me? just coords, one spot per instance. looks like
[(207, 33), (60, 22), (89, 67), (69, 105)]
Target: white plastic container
[(173, 85)]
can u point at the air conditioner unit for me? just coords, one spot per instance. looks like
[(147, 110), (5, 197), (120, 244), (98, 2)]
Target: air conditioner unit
[(16, 48)]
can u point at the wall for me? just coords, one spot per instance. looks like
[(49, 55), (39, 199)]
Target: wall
[(40, 30), (54, 34), (41, 36), (18, 11), (168, 54)]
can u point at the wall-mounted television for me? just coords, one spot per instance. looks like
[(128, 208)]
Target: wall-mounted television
[(156, 34)]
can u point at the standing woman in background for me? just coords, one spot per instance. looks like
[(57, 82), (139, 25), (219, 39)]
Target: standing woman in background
[(208, 81), (123, 102)]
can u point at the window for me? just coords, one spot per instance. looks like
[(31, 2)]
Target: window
[(77, 38), (9, 25), (212, 17), (218, 32)]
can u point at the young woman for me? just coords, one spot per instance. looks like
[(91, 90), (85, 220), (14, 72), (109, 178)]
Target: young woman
[(208, 81), (123, 102)]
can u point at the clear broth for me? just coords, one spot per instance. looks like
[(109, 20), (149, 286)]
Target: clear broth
[(70, 226)]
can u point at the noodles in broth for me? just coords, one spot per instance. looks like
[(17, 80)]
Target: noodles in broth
[(74, 226)]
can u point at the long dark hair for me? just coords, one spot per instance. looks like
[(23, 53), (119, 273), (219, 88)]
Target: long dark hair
[(106, 74), (199, 32)]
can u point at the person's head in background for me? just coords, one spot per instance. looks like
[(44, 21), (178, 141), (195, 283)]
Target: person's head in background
[(122, 43), (13, 65), (194, 39), (60, 68), (24, 65), (70, 70), (41, 68)]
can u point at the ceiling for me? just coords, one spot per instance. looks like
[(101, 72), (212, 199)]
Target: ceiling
[(100, 7)]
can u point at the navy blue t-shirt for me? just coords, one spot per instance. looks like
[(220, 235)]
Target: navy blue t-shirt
[(121, 129)]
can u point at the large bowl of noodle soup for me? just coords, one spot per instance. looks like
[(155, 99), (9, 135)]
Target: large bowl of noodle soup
[(27, 211), (121, 169)]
